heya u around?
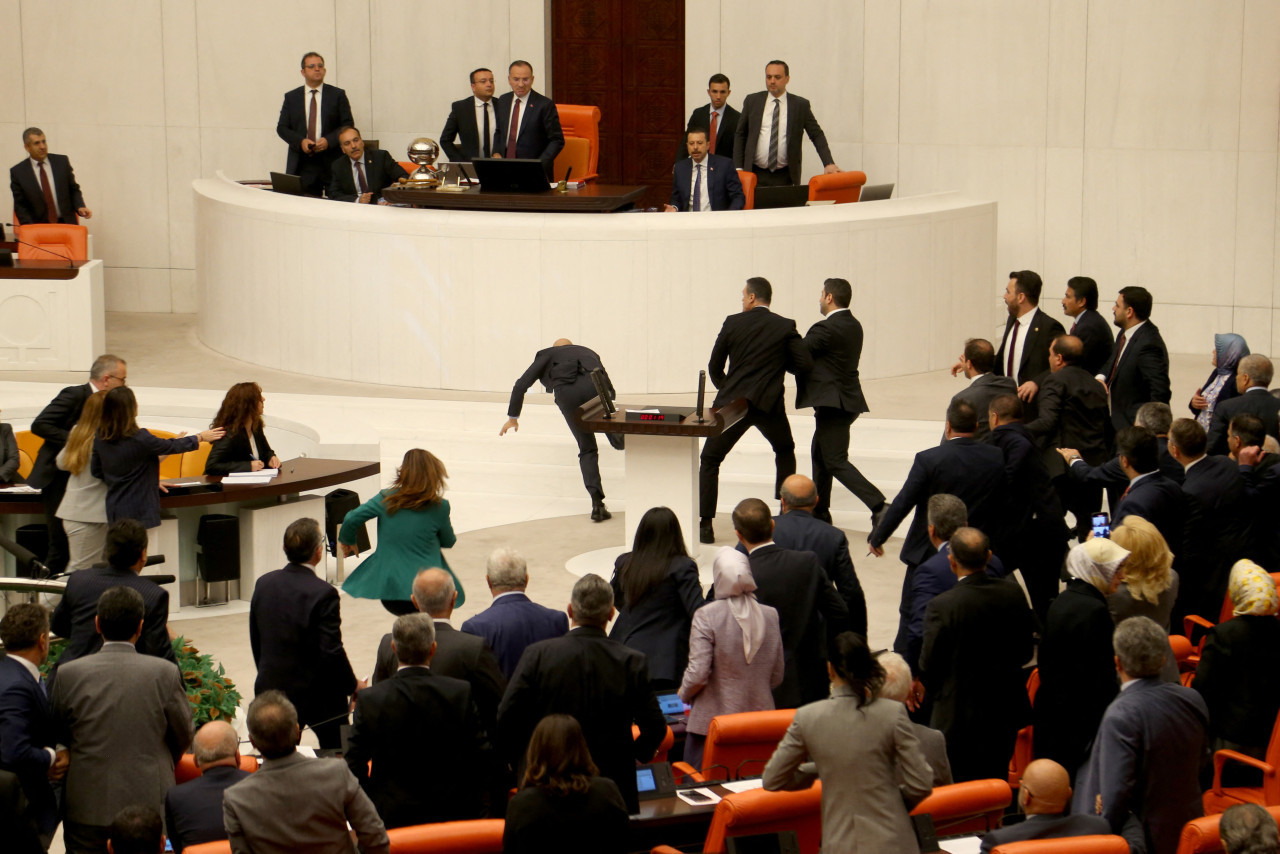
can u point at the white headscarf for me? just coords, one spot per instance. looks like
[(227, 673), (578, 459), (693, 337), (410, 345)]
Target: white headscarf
[(732, 582), (1096, 561)]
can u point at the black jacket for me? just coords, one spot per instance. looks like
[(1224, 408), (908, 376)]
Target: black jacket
[(335, 114), (979, 393), (1159, 500), (380, 171), (130, 467), (1142, 376), (1239, 678), (1029, 494), (28, 195), (598, 819), (760, 347), (540, 135), (1036, 335), (54, 424), (1259, 403), (556, 368), (1072, 412), (193, 810), (73, 618), (658, 625), (800, 120), (726, 130), (835, 343), (1216, 532), (1095, 334), (231, 453), (799, 531), (460, 138)]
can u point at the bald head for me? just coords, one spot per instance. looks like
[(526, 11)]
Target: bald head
[(216, 743), (562, 342), (1046, 788), (434, 592), (799, 493)]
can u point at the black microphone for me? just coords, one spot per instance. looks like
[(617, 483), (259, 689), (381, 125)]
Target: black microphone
[(16, 239), (24, 557)]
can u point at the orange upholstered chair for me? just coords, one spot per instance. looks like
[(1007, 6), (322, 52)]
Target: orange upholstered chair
[(222, 846), (481, 836), (668, 741), (408, 165), (579, 122), (28, 446), (192, 464), (1218, 798), (186, 768), (970, 807), (1022, 748), (71, 241), (1071, 845), (748, 181), (739, 745), (1200, 835), (759, 811), (171, 464), (840, 187)]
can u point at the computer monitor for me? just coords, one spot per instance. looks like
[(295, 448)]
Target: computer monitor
[(876, 192), (511, 175), (288, 184), (794, 196)]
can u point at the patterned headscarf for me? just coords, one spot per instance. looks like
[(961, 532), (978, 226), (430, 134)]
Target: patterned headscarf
[(1252, 590), (1096, 561), (732, 582)]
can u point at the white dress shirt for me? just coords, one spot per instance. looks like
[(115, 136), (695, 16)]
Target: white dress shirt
[(48, 171), (766, 125), (1024, 326), (493, 122)]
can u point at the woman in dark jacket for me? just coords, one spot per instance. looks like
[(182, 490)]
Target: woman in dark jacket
[(1076, 658), (656, 590), (127, 459), (245, 446), (1228, 350)]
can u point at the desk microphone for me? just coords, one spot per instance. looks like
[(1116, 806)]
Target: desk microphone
[(16, 239)]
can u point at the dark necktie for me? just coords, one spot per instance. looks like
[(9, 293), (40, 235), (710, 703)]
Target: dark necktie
[(49, 204), (488, 143), (1115, 363), (696, 204), (1074, 324), (364, 185), (1013, 342), (311, 117), (711, 143), (773, 136), (514, 130)]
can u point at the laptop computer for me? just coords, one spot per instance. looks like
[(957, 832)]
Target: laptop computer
[(511, 175), (782, 197), (876, 192), (289, 184)]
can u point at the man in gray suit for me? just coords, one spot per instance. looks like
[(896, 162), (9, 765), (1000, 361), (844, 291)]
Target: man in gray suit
[(933, 744), (294, 803), (977, 363), (126, 720), (1043, 795)]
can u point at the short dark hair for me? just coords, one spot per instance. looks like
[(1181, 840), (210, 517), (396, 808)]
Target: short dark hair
[(1249, 429), (1069, 347), (1189, 437), (969, 547), (718, 78), (30, 132), (841, 291), (477, 71), (1027, 282), (308, 55), (962, 417), (591, 600), (1086, 289), (981, 354), (1006, 406), (273, 724), (1138, 445), (22, 626), (126, 541), (1139, 299), (136, 829), (301, 539), (338, 134), (120, 611), (752, 519), (760, 288), (855, 664), (525, 63), (786, 69), (706, 134)]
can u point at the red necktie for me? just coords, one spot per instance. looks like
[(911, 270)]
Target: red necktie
[(711, 144), (364, 185), (1013, 341), (514, 130), (1115, 363), (311, 117), (1125, 494), (48, 195)]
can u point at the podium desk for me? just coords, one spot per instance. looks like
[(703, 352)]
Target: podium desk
[(661, 459), (52, 315), (591, 198)]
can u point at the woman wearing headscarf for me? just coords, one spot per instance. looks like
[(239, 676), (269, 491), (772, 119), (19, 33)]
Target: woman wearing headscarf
[(1239, 672), (1228, 350), (1076, 658), (735, 653)]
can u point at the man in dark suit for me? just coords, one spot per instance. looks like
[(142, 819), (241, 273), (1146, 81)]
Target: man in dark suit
[(1253, 375), (1024, 350), (704, 182), (528, 122), (977, 363), (1080, 303), (54, 424), (834, 391), (760, 347), (295, 631), (549, 680), (1150, 494), (809, 609), (27, 733), (309, 121), (1138, 370), (469, 131), (360, 176), (1043, 796), (977, 637), (768, 136), (513, 622), (193, 810), (126, 554), (417, 720), (44, 186), (1122, 779), (717, 118), (1261, 473)]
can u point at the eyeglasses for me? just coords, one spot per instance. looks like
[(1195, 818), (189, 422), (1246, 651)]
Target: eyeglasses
[(121, 380), (314, 66)]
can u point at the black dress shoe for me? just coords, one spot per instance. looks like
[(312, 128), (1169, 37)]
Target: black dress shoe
[(706, 534), (599, 512)]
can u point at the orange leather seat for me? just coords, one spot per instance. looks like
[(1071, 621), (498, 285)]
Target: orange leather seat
[(171, 464), (1022, 748), (186, 768), (748, 181), (1071, 845), (192, 464), (71, 241), (970, 807), (740, 744), (222, 846), (759, 811), (481, 836), (1218, 798), (408, 165), (839, 187), (668, 741), (1200, 835), (28, 446), (581, 124)]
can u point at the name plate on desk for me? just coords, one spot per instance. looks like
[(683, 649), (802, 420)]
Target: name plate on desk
[(654, 415)]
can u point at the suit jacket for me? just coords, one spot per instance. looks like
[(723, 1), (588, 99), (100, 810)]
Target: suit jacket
[(972, 472), (549, 680), (658, 625), (1110, 474), (1239, 678), (1072, 412), (979, 394), (598, 818), (232, 453), (1253, 402), (1217, 531), (1141, 377), (799, 120), (73, 618), (295, 631), (130, 467), (1046, 827), (540, 135), (335, 114), (380, 171), (21, 834), (9, 459), (926, 581), (300, 804), (1160, 787), (1036, 334), (862, 754), (26, 729), (28, 195), (557, 368), (54, 424), (835, 343), (193, 810), (726, 130), (760, 347), (460, 138), (933, 745), (1094, 332), (721, 185), (512, 623), (390, 725), (1032, 514), (1159, 500), (719, 680), (126, 719), (799, 530)]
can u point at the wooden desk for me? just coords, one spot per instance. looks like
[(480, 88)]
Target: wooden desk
[(50, 269), (593, 198), (671, 821)]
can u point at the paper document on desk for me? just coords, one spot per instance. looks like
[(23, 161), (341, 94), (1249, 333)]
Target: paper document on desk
[(196, 482), (267, 473), (246, 479), (961, 845), (20, 489), (743, 785)]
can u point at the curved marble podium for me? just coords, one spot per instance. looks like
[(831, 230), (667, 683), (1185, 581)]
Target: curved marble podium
[(462, 300)]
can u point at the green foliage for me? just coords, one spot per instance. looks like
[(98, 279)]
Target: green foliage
[(213, 696)]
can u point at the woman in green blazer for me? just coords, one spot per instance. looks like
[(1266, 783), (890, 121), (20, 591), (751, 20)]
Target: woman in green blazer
[(413, 526)]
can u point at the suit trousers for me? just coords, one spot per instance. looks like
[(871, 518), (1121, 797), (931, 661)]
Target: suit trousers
[(87, 543), (830, 453), (313, 171), (775, 428), (569, 398), (776, 178), (1038, 553), (59, 550)]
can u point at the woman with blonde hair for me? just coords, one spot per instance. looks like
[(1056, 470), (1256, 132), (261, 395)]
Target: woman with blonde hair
[(413, 528), (83, 510), (1150, 583), (245, 446)]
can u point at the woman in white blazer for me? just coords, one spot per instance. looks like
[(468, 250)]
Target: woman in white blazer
[(83, 510)]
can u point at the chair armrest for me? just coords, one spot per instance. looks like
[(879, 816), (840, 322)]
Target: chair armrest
[(1220, 758), (684, 769), (665, 849), (1189, 623)]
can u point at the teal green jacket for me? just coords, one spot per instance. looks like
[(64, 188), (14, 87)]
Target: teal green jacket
[(408, 541)]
